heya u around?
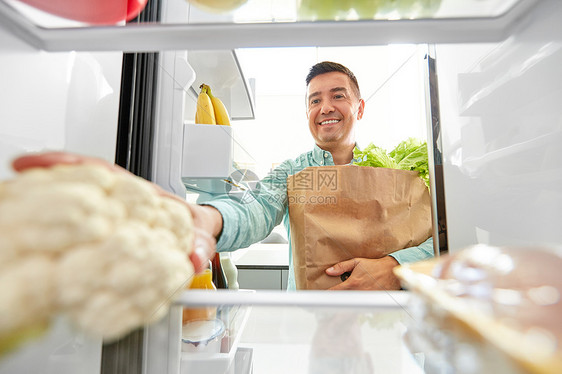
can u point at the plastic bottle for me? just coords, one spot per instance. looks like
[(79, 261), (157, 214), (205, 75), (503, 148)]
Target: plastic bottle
[(230, 271), (203, 280), (218, 275)]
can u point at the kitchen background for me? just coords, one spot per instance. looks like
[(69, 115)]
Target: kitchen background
[(391, 83)]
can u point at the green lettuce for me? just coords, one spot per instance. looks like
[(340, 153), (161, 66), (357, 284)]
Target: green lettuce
[(411, 154)]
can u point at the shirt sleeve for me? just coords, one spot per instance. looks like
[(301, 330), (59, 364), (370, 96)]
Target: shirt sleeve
[(423, 251), (251, 217)]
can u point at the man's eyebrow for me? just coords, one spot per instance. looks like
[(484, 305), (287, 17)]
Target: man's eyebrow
[(313, 94), (335, 89)]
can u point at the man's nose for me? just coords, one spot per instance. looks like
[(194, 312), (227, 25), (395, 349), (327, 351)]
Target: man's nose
[(327, 107)]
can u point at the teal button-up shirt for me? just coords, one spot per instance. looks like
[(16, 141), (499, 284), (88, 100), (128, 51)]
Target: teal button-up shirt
[(250, 219)]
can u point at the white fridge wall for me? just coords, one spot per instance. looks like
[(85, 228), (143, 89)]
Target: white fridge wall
[(56, 101), (501, 133)]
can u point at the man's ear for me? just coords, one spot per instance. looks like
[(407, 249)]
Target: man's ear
[(361, 109)]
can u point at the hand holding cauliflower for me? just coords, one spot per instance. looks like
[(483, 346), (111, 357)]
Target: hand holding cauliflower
[(105, 248)]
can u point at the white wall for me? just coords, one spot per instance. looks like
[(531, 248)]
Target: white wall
[(501, 132)]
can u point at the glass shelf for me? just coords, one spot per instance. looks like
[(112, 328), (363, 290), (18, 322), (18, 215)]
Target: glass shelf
[(310, 332), (274, 23), (282, 11)]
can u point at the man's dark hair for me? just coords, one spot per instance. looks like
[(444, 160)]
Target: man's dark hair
[(328, 67)]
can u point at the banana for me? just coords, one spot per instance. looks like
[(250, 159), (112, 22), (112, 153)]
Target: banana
[(221, 114), (205, 114)]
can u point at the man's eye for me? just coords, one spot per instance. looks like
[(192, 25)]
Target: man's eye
[(314, 101), (339, 96)]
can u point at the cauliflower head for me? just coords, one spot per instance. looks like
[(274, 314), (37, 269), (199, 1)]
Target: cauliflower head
[(102, 247)]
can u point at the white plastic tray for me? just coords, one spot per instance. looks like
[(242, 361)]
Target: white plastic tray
[(234, 318)]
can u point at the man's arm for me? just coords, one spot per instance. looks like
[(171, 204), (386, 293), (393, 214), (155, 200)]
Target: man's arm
[(377, 274), (422, 252), (239, 223), (208, 217)]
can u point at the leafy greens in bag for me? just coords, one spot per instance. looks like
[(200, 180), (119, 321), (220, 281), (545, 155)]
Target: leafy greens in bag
[(411, 154)]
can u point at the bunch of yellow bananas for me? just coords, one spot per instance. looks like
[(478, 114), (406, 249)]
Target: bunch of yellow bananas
[(210, 109)]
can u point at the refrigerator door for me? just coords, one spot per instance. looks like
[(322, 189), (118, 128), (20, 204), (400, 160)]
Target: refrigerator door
[(56, 101), (501, 134)]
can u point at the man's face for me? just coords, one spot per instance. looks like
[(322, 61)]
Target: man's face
[(332, 109)]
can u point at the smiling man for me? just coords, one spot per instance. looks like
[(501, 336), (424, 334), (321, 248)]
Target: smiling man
[(334, 105)]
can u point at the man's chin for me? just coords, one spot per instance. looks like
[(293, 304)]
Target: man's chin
[(326, 142)]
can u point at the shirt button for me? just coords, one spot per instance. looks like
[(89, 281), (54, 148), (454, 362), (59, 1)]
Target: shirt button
[(325, 154)]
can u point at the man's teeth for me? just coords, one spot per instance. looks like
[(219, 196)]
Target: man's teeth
[(329, 122)]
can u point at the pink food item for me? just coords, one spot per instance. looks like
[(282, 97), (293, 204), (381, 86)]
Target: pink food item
[(103, 12)]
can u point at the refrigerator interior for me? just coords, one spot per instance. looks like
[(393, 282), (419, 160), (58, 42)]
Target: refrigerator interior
[(501, 126), (500, 129), (53, 101), (56, 101)]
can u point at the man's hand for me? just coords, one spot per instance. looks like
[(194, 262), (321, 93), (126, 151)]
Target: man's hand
[(204, 223), (208, 224), (366, 274)]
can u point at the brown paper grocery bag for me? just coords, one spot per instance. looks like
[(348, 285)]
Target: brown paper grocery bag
[(342, 212)]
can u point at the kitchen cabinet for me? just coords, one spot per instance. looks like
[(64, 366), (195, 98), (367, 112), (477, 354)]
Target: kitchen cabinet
[(265, 278), (262, 266)]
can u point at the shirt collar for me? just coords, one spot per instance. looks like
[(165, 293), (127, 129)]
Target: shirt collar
[(318, 155), (321, 157)]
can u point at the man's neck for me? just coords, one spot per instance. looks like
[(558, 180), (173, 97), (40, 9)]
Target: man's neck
[(341, 155)]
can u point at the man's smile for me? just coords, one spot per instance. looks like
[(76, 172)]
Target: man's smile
[(329, 122)]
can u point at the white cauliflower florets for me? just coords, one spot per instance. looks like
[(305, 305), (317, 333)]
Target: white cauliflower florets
[(102, 247)]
